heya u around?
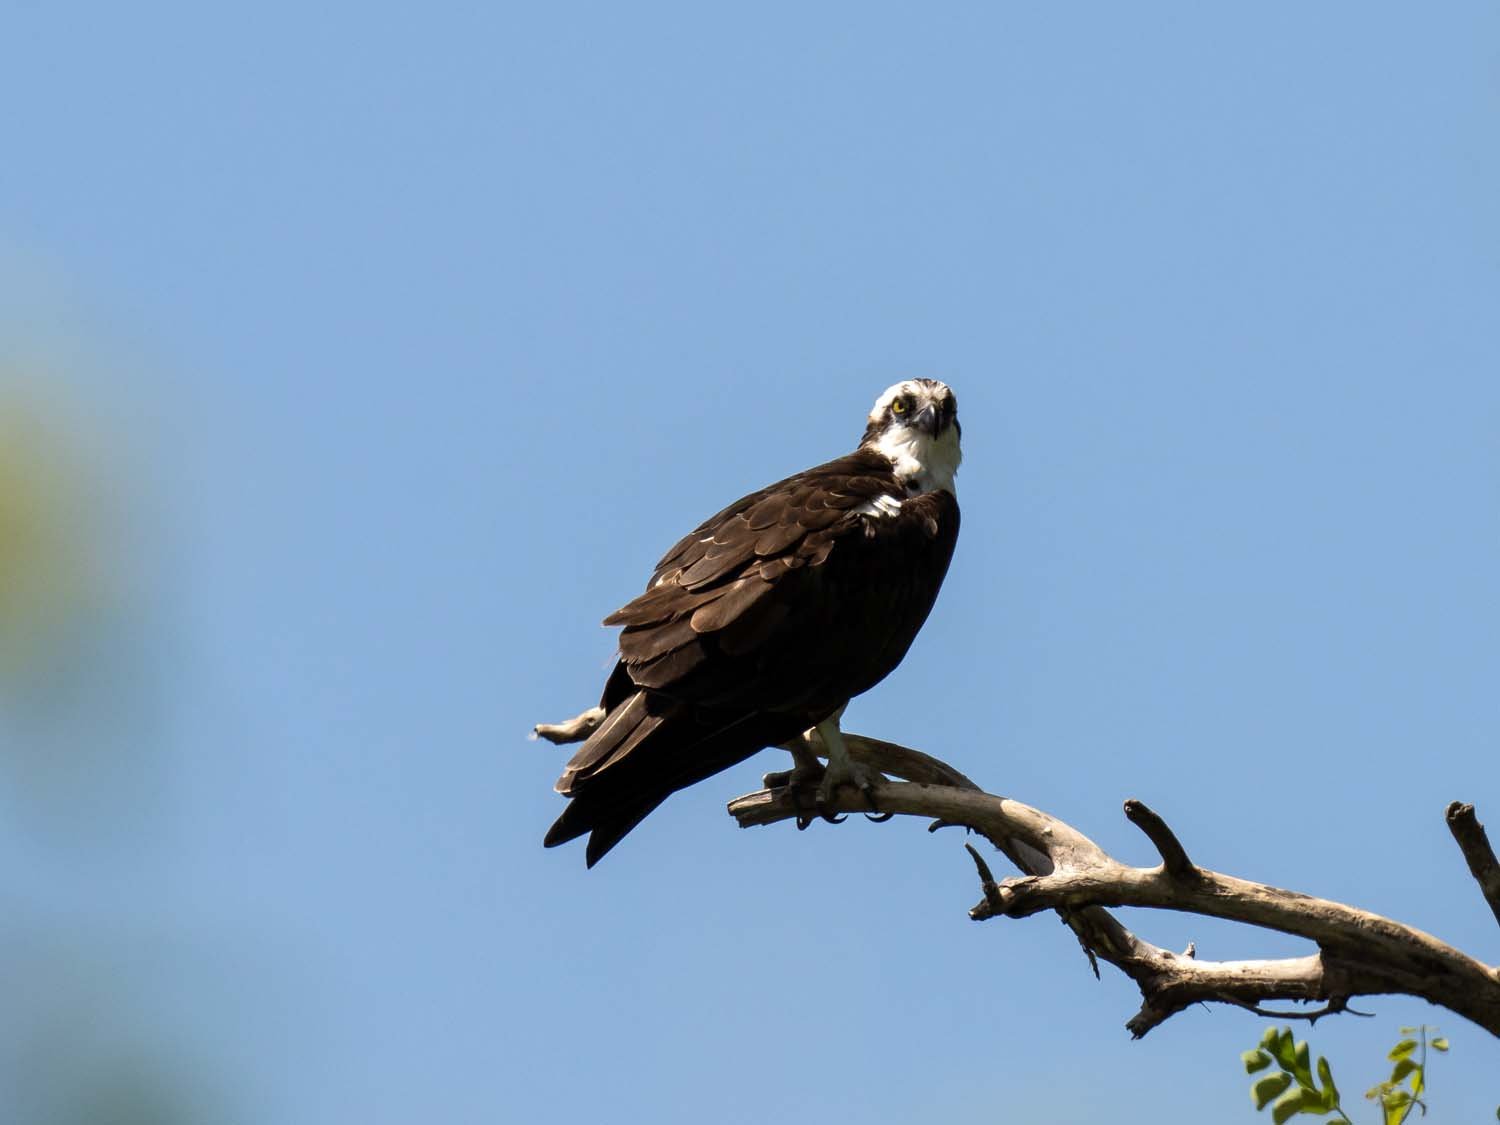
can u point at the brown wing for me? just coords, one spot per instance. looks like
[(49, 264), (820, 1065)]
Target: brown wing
[(767, 522), (745, 577)]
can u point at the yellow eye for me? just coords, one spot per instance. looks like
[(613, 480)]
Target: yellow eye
[(898, 406)]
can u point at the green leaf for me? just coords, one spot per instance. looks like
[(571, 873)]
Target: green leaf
[(1395, 1107), (1287, 1106), (1255, 1060), (1271, 1086), (1402, 1049), (1284, 1050), (1330, 1091), (1402, 1069), (1302, 1064), (1439, 1044), (1268, 1040), (1419, 1081), (1297, 1101)]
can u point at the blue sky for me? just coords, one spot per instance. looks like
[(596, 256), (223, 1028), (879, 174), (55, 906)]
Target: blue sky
[(387, 350)]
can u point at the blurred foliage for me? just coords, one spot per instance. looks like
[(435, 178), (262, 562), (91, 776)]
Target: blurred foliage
[(80, 704), (77, 1046), (83, 770), (48, 574), (1294, 1089)]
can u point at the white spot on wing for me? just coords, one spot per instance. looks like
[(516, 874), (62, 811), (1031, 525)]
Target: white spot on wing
[(882, 505)]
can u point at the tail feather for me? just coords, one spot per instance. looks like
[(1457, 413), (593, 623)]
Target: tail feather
[(622, 730), (639, 757), (605, 823), (609, 833)]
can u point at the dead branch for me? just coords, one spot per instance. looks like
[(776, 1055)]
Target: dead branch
[(1358, 953), (1475, 845)]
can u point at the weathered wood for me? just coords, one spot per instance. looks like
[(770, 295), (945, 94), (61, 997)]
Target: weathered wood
[(1359, 953), (1475, 845)]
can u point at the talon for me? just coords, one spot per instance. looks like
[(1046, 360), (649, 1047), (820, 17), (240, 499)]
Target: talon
[(799, 781), (857, 776), (881, 819), (809, 773), (824, 796)]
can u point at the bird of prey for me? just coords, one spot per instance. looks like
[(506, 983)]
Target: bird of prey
[(765, 620)]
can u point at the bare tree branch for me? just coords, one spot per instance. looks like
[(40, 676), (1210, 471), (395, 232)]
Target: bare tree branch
[(1475, 845), (1174, 856), (1358, 953)]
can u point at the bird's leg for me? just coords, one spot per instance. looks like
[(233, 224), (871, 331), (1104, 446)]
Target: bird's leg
[(805, 772), (805, 764), (842, 769), (575, 729)]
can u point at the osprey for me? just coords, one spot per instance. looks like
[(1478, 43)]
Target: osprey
[(767, 619)]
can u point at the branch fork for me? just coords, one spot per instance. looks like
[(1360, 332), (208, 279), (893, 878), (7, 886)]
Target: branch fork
[(1358, 953)]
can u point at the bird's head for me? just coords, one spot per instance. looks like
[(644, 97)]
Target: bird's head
[(915, 424)]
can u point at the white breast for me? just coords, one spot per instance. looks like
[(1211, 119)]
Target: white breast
[(926, 463)]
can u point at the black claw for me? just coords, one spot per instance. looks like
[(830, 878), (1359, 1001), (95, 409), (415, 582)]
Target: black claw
[(803, 822), (831, 818), (881, 819)]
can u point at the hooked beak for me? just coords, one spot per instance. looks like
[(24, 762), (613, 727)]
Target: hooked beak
[(927, 420)]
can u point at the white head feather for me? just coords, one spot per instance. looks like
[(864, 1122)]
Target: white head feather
[(926, 462)]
